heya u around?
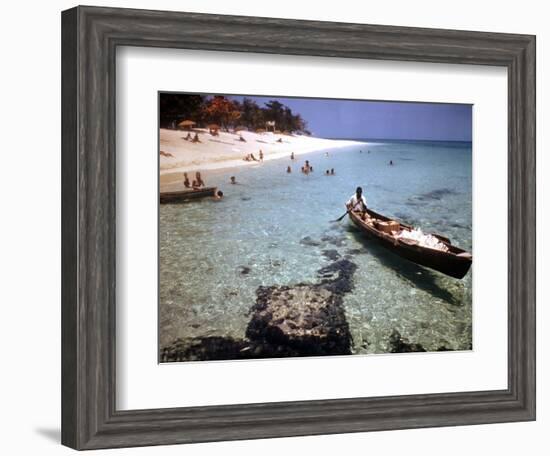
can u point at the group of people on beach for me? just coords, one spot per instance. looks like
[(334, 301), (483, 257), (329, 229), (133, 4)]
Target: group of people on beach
[(194, 139), (197, 182), (251, 157)]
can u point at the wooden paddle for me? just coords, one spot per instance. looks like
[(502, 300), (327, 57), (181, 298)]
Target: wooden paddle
[(340, 218), (347, 212)]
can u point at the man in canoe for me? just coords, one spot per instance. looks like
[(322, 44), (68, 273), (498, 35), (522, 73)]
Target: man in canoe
[(357, 203)]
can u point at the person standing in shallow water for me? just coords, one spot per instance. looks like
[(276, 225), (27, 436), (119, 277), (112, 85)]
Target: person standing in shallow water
[(198, 182), (186, 182), (357, 202), (261, 155), (288, 169)]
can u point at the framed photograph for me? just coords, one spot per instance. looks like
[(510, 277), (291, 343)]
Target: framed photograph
[(280, 228)]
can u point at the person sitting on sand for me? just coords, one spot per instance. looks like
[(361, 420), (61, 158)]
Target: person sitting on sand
[(332, 171), (357, 202), (280, 140), (292, 155), (233, 180), (241, 138), (186, 182), (261, 155), (196, 138), (288, 169), (198, 182), (253, 158)]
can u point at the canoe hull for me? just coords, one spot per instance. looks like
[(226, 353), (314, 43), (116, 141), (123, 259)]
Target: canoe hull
[(455, 263), (186, 195)]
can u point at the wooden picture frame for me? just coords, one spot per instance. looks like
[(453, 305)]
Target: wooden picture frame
[(90, 37)]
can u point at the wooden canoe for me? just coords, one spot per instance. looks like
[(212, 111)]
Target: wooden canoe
[(455, 262), (188, 194)]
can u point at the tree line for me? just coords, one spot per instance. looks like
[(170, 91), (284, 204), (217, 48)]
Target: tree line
[(228, 114)]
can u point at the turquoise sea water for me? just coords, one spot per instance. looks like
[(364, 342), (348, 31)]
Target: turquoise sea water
[(274, 228)]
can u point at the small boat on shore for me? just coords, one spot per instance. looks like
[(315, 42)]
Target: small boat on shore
[(398, 237), (188, 194)]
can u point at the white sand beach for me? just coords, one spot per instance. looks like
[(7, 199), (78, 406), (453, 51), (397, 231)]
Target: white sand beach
[(226, 150)]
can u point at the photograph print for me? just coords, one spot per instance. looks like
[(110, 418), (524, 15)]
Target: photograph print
[(293, 227)]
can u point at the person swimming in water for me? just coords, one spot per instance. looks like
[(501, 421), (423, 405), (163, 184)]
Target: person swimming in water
[(233, 180)]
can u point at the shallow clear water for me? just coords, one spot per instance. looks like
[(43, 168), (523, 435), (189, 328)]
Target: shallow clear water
[(207, 247)]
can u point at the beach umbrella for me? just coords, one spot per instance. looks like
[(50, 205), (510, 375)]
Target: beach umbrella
[(186, 124)]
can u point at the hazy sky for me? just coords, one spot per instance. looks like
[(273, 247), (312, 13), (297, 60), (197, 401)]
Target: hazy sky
[(376, 119)]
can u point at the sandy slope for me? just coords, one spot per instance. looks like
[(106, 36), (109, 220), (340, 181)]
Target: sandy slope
[(225, 150)]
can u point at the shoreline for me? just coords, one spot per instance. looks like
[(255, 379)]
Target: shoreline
[(171, 171), (232, 163)]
